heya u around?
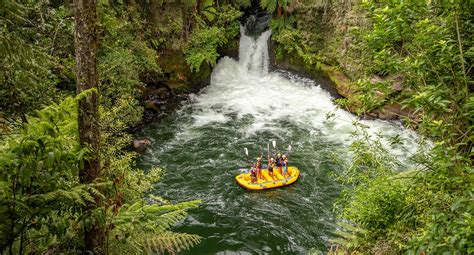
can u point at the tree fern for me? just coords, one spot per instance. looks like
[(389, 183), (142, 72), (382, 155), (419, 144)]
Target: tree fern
[(39, 182), (147, 227), (80, 194)]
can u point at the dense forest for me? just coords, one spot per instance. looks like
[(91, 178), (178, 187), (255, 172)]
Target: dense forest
[(79, 78)]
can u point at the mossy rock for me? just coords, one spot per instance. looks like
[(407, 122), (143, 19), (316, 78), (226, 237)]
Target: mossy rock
[(343, 84)]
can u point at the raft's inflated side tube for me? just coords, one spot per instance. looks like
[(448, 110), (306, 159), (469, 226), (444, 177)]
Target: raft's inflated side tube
[(268, 181)]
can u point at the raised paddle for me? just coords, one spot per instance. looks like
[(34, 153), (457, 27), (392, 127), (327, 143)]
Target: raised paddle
[(274, 143), (247, 154), (268, 153)]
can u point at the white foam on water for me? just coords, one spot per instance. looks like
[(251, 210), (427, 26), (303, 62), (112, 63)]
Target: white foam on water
[(245, 88)]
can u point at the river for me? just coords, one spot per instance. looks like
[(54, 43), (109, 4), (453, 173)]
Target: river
[(201, 146)]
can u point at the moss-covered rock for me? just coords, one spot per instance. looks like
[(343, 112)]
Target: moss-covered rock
[(343, 84)]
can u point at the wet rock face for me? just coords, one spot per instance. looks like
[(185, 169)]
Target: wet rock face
[(257, 23), (255, 20), (159, 93)]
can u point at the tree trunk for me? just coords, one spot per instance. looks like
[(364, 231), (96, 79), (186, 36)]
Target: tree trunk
[(85, 15)]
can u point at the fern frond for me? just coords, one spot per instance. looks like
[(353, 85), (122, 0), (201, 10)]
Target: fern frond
[(171, 207), (167, 220), (170, 242), (80, 194)]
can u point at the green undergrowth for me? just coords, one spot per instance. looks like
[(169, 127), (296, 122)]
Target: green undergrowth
[(42, 200)]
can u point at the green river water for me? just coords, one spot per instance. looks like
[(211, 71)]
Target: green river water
[(201, 146)]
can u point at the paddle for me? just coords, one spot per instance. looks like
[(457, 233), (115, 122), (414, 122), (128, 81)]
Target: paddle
[(248, 160), (274, 147), (268, 153)]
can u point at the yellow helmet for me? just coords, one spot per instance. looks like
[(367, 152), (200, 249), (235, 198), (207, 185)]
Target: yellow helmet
[(272, 159), (284, 156)]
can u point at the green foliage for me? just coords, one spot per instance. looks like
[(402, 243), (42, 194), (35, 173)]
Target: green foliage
[(207, 10), (419, 210), (204, 44), (217, 31), (41, 198), (39, 178), (123, 56), (378, 201), (36, 60), (135, 226), (425, 42), (25, 75), (278, 24), (146, 227), (274, 5), (417, 54), (349, 236), (293, 41)]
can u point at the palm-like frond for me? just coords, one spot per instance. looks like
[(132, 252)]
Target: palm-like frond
[(147, 226), (80, 194), (169, 242)]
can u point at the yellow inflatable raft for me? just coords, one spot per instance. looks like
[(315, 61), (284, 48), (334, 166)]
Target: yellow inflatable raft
[(269, 182)]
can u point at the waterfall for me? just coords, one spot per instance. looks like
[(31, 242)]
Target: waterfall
[(253, 53)]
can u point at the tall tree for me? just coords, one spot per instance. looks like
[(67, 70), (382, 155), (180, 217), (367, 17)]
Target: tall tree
[(86, 43)]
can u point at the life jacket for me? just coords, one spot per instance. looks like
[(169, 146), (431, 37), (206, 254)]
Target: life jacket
[(279, 161), (253, 172), (270, 165)]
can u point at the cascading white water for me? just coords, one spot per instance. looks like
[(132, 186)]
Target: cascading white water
[(246, 88), (253, 54)]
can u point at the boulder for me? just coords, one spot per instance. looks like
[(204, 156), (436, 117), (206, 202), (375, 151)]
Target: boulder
[(376, 79), (397, 86), (140, 143), (343, 84), (159, 93), (394, 111), (151, 105)]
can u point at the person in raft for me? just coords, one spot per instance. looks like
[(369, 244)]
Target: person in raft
[(279, 161), (271, 164), (258, 166), (285, 165), (253, 174)]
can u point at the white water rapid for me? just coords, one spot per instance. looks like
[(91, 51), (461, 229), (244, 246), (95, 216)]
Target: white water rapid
[(247, 89)]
